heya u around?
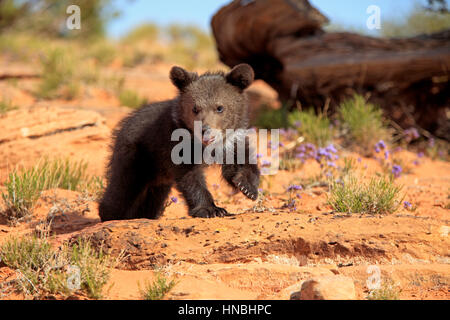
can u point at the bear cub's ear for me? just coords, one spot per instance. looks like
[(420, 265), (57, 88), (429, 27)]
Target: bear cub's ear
[(240, 76), (181, 78)]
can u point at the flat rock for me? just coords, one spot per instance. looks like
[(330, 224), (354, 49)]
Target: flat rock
[(326, 288)]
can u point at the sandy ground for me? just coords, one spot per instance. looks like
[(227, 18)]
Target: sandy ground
[(261, 252)]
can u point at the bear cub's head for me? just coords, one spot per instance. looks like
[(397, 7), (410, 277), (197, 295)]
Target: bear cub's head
[(216, 99)]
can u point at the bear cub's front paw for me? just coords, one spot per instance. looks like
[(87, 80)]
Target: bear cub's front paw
[(247, 182), (208, 212)]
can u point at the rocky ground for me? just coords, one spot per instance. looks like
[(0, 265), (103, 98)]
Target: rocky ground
[(263, 251)]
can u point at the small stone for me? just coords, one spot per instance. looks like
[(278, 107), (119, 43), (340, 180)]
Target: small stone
[(326, 288)]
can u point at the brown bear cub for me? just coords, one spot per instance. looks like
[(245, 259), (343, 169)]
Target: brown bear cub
[(141, 171)]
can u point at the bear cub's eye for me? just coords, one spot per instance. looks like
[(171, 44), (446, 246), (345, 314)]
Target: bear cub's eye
[(219, 109), (195, 110)]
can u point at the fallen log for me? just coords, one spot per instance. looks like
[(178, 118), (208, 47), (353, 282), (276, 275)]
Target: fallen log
[(284, 41)]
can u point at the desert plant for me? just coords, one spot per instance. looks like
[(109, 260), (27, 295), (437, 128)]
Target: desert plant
[(22, 191), (48, 17), (5, 106), (148, 32), (269, 118), (94, 266), (158, 289), (362, 123), (418, 21), (57, 74), (24, 187), (315, 128), (42, 269), (103, 52), (131, 99), (378, 195), (387, 291)]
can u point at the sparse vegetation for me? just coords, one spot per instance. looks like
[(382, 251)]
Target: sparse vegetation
[(377, 196), (388, 291), (131, 99), (58, 76), (315, 128), (148, 32), (418, 21), (24, 187), (362, 124), (269, 118), (44, 270), (157, 289), (5, 106)]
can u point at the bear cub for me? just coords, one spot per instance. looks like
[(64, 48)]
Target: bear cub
[(141, 171)]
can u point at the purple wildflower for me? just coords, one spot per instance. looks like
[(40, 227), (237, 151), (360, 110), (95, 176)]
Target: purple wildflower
[(265, 163), (174, 199), (331, 164), (381, 144), (294, 187), (396, 170), (407, 205), (331, 149)]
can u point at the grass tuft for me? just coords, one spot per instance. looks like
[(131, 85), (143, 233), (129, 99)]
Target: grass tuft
[(131, 99), (315, 128), (377, 196), (24, 187), (363, 124), (57, 76), (388, 291), (43, 270), (158, 289), (5, 106)]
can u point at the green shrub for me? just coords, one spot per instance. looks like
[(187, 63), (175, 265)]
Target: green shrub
[(131, 99), (24, 187), (269, 118), (158, 289), (5, 106), (103, 52), (315, 128), (418, 21), (148, 32), (71, 269), (363, 124), (94, 266), (388, 291), (378, 196), (57, 73)]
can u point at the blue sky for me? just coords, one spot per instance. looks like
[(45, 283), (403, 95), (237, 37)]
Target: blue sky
[(199, 12)]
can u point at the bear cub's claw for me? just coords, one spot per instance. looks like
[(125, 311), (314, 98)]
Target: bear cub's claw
[(208, 212), (246, 187)]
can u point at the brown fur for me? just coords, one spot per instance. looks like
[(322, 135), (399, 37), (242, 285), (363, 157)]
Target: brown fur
[(141, 172)]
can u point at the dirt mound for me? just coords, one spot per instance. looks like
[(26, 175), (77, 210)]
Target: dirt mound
[(250, 236)]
